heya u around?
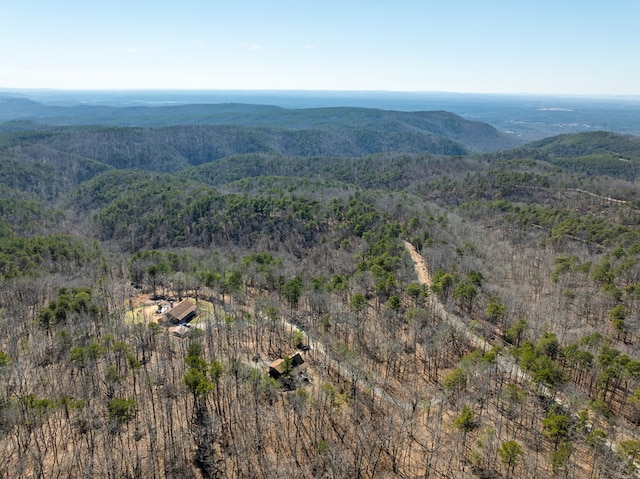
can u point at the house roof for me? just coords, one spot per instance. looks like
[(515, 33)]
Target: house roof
[(277, 365), (296, 362), (182, 311)]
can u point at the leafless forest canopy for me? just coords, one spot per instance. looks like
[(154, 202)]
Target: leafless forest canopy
[(354, 303)]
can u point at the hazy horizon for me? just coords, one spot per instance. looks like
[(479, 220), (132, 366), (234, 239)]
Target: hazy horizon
[(317, 91), (334, 97)]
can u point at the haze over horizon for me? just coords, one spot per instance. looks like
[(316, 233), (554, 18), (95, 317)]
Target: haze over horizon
[(572, 48)]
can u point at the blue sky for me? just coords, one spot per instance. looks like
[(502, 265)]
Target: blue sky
[(487, 46)]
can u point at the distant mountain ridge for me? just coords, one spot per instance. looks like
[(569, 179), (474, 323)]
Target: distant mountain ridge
[(173, 148), (386, 125)]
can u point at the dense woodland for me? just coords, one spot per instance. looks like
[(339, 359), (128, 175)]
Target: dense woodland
[(517, 355)]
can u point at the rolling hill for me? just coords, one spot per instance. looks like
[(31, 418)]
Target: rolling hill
[(436, 126)]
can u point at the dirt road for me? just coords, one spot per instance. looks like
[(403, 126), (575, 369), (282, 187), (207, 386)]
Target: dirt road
[(505, 363)]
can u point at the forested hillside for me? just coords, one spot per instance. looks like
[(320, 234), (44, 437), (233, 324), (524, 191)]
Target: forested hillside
[(386, 304), (370, 130)]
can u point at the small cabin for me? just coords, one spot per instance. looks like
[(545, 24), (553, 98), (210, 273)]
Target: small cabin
[(276, 368)]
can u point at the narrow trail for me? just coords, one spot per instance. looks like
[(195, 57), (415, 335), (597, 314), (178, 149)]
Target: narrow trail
[(607, 199), (346, 373)]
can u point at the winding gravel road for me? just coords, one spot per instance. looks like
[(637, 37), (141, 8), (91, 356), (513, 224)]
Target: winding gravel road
[(505, 363)]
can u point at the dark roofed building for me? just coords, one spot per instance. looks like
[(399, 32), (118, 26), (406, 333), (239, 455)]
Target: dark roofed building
[(296, 360), (182, 313)]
